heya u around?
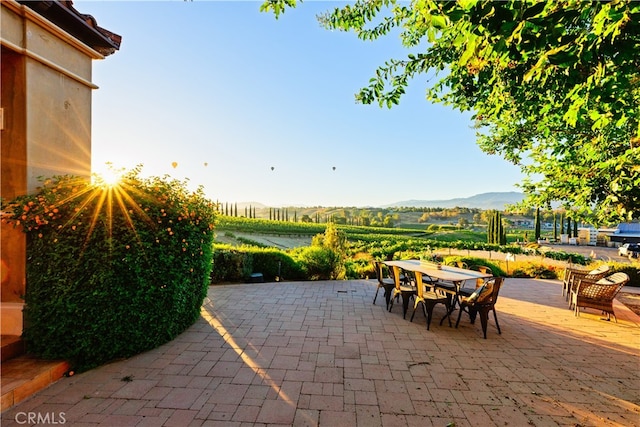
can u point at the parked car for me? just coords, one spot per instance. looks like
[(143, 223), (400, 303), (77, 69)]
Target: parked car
[(631, 250)]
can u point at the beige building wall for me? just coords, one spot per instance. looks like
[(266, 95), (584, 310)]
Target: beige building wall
[(46, 105)]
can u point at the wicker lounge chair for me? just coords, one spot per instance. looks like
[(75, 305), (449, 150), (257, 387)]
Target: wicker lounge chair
[(598, 294), (571, 277)]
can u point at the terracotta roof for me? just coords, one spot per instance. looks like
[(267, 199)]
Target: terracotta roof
[(83, 27)]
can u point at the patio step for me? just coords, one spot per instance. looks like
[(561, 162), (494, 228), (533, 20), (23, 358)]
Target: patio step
[(11, 346), (25, 375)]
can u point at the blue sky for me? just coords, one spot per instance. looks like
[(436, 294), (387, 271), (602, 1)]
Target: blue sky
[(219, 94)]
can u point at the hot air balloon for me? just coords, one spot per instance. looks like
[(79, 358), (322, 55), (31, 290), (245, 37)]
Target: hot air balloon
[(174, 164), (272, 168)]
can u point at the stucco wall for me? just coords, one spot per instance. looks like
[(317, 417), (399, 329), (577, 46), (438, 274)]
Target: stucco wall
[(46, 100), (13, 181), (58, 125)]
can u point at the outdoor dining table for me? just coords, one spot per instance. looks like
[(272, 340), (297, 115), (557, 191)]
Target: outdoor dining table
[(455, 276)]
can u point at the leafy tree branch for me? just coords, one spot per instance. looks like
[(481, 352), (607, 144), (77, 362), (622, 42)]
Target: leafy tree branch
[(554, 86)]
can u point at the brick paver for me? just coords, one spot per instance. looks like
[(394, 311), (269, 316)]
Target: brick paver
[(319, 353)]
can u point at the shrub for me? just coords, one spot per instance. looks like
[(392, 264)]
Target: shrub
[(472, 262), (359, 265), (275, 264), (237, 264), (319, 262), (633, 270), (563, 256), (229, 265), (112, 270), (534, 270)]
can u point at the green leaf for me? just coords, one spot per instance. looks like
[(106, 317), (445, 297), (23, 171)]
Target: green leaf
[(438, 21), (534, 10), (469, 51), (467, 5), (562, 58)]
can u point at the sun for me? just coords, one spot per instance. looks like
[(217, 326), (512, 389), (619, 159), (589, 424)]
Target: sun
[(108, 176), (111, 178)]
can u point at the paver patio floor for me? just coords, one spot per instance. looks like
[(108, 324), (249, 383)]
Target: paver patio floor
[(319, 353)]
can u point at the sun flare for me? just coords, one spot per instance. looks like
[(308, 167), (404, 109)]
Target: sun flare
[(108, 176)]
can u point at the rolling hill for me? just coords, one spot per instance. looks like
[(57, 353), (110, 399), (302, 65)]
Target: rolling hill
[(481, 201), (495, 200)]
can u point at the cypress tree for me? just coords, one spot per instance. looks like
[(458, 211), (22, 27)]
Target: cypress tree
[(496, 234), (490, 229), (537, 224), (555, 227), (562, 223), (494, 227), (575, 228), (569, 226)]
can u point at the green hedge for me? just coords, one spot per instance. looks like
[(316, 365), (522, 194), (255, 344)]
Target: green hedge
[(472, 262), (112, 270), (236, 264), (633, 270)]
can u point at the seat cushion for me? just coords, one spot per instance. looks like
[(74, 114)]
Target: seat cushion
[(433, 296), (446, 286), (474, 295), (601, 269), (487, 291), (481, 294)]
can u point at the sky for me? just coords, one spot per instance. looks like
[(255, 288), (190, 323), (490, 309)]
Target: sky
[(255, 109)]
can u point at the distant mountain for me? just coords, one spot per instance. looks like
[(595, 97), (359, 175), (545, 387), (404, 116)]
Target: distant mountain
[(482, 201)]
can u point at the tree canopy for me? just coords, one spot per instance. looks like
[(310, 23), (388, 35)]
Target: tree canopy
[(554, 87)]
